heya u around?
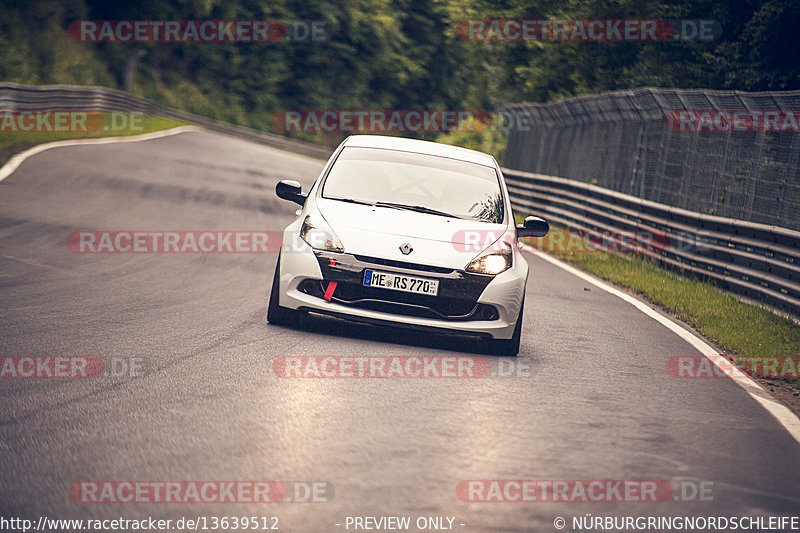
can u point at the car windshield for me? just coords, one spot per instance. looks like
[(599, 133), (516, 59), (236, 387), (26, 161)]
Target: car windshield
[(424, 183)]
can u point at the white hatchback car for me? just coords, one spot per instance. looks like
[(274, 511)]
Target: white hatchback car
[(407, 233)]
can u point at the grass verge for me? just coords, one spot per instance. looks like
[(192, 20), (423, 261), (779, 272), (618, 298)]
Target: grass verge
[(742, 330), (14, 140)]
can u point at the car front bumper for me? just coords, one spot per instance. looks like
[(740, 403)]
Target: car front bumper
[(467, 304)]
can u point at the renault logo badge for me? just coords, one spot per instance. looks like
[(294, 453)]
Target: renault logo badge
[(406, 248)]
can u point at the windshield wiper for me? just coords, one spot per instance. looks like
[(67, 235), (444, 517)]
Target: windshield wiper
[(348, 200), (417, 208)]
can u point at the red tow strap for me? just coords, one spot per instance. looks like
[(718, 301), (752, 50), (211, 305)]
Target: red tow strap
[(329, 290)]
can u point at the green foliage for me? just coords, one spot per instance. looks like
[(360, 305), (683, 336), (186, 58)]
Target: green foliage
[(476, 135), (34, 47), (401, 54)]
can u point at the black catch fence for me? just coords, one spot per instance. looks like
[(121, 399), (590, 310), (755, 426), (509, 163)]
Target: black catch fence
[(726, 153), (716, 173)]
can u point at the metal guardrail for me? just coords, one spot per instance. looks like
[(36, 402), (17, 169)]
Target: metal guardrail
[(14, 96), (758, 261), (630, 142)]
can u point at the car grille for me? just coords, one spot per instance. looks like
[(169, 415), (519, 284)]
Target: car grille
[(401, 303), (403, 264), (457, 299)]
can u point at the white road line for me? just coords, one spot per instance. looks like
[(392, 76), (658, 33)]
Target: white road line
[(783, 414), (18, 159)]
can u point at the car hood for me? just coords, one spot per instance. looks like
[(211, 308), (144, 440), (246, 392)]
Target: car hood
[(380, 232)]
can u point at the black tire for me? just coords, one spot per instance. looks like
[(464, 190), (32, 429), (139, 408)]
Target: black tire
[(509, 346), (276, 314)]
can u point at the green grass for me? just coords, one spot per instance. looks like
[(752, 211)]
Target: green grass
[(97, 125), (742, 329)]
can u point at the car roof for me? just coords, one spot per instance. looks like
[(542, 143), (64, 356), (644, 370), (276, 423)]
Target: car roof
[(421, 147)]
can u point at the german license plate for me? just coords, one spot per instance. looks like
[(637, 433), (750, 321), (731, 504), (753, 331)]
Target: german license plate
[(401, 282)]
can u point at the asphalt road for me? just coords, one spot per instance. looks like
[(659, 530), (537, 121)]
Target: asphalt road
[(589, 399)]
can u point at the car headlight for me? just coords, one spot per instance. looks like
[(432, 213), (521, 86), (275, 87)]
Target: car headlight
[(319, 235), (492, 263)]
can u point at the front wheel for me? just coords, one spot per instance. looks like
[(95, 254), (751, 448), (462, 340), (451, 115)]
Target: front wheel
[(275, 313), (509, 346)]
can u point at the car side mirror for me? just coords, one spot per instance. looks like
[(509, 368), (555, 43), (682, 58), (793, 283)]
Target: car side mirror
[(290, 190), (533, 227)]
